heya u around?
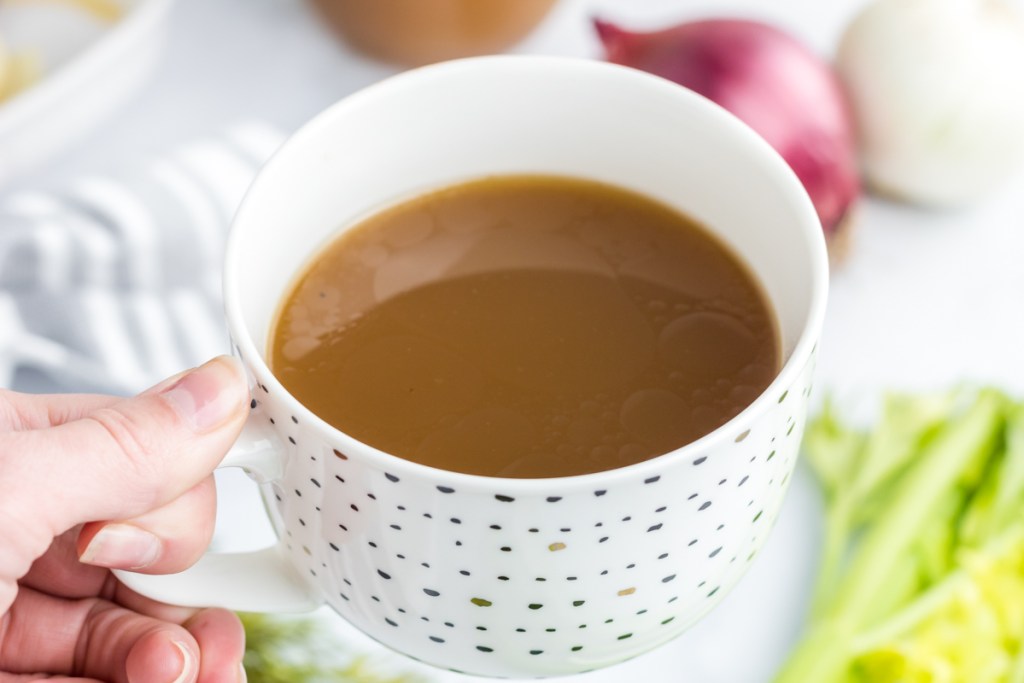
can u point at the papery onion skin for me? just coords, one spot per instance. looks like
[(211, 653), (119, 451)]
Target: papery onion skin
[(937, 88), (769, 80)]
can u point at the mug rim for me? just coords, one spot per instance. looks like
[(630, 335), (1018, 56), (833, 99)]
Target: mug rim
[(771, 162)]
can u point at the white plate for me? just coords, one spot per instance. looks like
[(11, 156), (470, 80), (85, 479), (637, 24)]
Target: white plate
[(89, 71)]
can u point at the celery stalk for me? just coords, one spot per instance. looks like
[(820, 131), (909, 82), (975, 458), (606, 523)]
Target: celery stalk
[(953, 458)]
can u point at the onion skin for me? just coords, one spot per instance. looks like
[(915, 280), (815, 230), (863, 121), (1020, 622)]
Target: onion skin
[(773, 83)]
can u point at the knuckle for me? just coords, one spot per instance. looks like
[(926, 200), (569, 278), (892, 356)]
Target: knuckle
[(129, 441)]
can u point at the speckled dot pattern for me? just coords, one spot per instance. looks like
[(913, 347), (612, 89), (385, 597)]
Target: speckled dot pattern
[(563, 579)]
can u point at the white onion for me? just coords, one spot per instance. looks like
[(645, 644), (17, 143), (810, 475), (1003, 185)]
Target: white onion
[(937, 89)]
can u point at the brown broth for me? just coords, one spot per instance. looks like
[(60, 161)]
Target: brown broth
[(526, 326)]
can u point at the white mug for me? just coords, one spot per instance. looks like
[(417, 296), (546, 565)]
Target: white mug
[(511, 577)]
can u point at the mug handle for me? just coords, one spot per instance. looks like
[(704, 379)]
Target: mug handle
[(254, 581)]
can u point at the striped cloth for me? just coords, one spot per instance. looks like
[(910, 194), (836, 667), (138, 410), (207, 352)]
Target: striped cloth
[(113, 282)]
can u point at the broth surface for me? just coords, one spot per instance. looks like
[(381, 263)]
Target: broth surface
[(526, 326)]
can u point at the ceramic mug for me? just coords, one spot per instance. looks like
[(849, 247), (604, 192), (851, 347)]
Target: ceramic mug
[(492, 576)]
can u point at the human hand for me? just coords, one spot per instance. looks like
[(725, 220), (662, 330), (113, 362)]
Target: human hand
[(89, 483)]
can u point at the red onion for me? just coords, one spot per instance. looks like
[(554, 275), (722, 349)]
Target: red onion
[(769, 80)]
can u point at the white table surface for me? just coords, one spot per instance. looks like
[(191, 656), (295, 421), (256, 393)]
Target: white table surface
[(923, 299)]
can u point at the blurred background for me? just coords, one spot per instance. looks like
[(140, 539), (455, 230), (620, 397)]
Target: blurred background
[(141, 122)]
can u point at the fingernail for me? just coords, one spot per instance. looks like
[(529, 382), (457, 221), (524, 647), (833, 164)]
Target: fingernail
[(122, 546), (188, 663), (208, 395), (242, 676)]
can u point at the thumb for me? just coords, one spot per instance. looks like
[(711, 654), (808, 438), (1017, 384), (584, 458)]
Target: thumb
[(124, 460)]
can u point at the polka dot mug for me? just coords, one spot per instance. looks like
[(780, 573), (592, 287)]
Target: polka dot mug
[(511, 577)]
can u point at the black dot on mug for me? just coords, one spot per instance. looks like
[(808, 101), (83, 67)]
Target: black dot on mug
[(540, 578), (550, 630), (715, 552), (484, 648), (458, 543), (536, 652), (502, 578), (272, 421), (395, 527), (428, 515), (390, 623), (665, 622), (343, 596), (315, 483), (295, 419), (713, 591), (302, 521), (338, 477), (371, 544), (445, 489), (626, 519), (654, 528), (449, 624), (535, 605), (503, 498), (252, 404), (436, 639), (554, 499), (520, 630), (343, 527), (743, 480), (334, 547), (691, 496), (576, 648), (604, 572), (354, 507), (384, 575), (602, 539), (661, 509), (292, 440), (625, 636), (668, 578), (662, 556), (700, 460), (506, 549), (371, 496), (431, 592), (705, 505), (770, 455), (652, 480), (455, 520), (640, 612), (758, 515), (673, 599), (264, 388), (496, 527), (600, 492), (481, 628), (391, 477)]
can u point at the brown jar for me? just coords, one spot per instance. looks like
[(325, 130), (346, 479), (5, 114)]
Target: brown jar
[(414, 32)]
